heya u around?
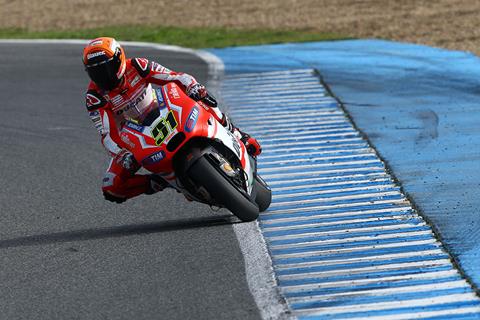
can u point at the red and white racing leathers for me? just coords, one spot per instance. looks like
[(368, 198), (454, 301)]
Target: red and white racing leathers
[(133, 99)]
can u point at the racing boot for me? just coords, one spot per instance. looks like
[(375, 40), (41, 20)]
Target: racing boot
[(155, 184)]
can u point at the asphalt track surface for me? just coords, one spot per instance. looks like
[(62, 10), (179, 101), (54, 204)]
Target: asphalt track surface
[(68, 254)]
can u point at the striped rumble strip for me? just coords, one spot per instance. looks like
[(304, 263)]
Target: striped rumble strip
[(344, 241)]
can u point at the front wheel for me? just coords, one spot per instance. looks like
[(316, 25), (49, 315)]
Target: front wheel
[(203, 173), (264, 194)]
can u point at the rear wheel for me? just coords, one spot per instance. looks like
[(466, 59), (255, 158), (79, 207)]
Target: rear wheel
[(203, 173), (264, 194)]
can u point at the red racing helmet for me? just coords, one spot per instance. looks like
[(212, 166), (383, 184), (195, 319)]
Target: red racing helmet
[(105, 62)]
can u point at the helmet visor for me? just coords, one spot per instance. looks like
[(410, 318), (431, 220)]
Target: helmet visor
[(104, 73)]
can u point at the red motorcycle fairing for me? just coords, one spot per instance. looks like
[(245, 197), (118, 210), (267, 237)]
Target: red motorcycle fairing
[(177, 120), (183, 142)]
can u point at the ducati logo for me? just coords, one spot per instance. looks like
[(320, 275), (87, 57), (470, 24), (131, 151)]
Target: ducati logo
[(127, 141), (174, 92)]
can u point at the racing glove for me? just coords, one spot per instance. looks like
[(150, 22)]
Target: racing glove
[(126, 159), (197, 92)]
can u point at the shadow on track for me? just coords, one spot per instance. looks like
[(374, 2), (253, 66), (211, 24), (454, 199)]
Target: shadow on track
[(120, 231)]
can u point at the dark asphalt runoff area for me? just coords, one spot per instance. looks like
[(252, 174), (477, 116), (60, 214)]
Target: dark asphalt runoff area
[(68, 254)]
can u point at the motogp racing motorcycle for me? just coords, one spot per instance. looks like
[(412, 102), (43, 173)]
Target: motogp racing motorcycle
[(184, 144)]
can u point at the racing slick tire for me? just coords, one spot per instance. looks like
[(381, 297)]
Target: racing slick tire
[(264, 194), (203, 173)]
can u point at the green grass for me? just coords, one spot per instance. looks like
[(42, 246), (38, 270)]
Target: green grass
[(186, 37)]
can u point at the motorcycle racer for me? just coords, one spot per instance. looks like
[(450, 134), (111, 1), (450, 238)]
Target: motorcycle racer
[(121, 89)]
